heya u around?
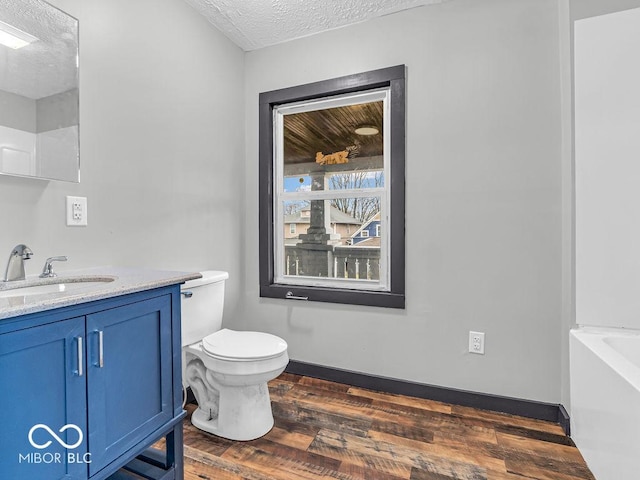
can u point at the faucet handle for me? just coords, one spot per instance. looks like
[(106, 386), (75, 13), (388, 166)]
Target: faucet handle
[(47, 270)]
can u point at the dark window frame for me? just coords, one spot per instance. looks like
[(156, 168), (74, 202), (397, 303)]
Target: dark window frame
[(392, 77)]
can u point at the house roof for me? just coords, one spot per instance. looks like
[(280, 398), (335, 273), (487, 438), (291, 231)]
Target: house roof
[(367, 242), (375, 218), (337, 216)]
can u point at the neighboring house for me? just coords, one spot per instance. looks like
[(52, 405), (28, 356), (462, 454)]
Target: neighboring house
[(368, 235), (298, 223)]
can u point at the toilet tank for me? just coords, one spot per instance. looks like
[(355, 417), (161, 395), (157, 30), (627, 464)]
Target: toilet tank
[(202, 305)]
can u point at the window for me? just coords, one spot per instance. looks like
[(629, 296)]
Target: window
[(292, 228), (332, 157)]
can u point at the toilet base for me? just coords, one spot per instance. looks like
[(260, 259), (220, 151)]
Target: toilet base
[(244, 413), (232, 395)]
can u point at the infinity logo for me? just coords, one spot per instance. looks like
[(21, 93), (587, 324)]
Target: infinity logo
[(53, 434)]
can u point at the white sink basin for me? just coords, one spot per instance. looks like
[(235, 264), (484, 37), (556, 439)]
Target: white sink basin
[(53, 286)]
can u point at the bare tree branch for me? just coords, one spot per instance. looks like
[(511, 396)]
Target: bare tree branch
[(360, 208)]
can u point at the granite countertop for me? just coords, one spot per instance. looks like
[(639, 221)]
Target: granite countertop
[(83, 286)]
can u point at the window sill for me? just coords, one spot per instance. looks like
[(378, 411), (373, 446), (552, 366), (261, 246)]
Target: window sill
[(334, 295)]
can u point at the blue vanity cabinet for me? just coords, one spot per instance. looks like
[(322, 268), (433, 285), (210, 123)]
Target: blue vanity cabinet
[(129, 376), (42, 374), (111, 369)]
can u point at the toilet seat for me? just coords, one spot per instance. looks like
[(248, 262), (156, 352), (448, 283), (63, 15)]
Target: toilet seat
[(237, 346)]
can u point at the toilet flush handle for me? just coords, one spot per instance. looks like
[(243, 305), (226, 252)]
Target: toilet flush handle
[(187, 293)]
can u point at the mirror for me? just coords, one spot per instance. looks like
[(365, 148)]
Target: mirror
[(39, 120)]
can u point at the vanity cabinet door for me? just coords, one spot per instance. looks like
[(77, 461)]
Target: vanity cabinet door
[(129, 376), (43, 403)]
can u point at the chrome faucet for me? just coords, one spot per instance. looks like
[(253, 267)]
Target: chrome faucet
[(47, 270), (15, 265)]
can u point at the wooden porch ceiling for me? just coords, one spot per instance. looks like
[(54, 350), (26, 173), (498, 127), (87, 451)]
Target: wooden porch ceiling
[(332, 130)]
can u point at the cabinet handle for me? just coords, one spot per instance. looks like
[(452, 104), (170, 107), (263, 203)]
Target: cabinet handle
[(100, 349), (80, 356)]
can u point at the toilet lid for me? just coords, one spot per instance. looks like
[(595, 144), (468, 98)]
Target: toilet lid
[(230, 344)]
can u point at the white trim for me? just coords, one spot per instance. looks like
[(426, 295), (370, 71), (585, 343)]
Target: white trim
[(334, 101), (280, 196), (278, 187), (332, 282), (331, 194), (385, 207)]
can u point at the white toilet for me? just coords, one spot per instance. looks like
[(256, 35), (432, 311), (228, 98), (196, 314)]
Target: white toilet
[(227, 370)]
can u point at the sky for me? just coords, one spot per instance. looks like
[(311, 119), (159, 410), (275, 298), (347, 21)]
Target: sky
[(303, 183)]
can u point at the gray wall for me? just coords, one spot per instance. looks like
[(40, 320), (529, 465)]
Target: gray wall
[(591, 8), (57, 111), (169, 166), (161, 147), (35, 116), (17, 112), (484, 198)]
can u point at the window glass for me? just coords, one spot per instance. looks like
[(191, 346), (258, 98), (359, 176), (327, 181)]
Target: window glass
[(330, 171), (331, 227), (328, 235)]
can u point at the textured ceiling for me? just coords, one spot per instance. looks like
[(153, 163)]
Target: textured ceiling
[(253, 24), (48, 65)]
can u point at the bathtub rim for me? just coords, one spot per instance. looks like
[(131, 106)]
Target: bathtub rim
[(593, 339)]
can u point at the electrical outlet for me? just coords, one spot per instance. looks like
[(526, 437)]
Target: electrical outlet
[(76, 211), (476, 342)]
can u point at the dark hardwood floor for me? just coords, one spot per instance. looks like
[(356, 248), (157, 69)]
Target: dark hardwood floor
[(326, 430)]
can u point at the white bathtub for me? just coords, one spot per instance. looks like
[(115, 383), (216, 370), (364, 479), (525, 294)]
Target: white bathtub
[(605, 400)]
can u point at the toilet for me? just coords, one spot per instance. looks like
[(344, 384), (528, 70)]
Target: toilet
[(227, 370)]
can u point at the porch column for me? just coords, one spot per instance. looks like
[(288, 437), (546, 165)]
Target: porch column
[(317, 244)]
